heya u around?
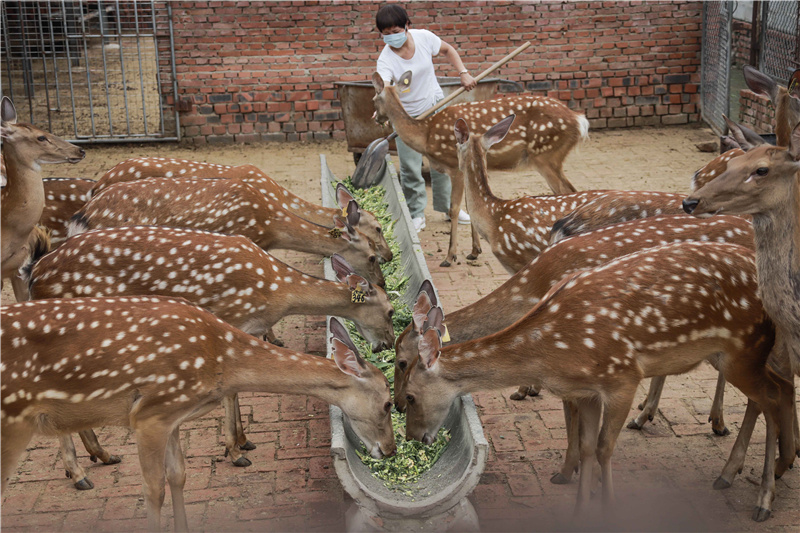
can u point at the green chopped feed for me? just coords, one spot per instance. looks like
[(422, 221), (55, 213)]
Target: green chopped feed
[(413, 458)]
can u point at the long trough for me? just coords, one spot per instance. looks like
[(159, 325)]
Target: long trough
[(439, 500)]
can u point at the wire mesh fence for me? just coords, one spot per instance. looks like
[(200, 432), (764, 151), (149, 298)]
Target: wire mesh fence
[(716, 63), (91, 70), (780, 39)]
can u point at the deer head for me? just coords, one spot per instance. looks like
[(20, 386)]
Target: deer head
[(30, 145)]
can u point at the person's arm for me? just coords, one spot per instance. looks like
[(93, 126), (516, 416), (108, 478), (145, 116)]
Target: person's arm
[(451, 54)]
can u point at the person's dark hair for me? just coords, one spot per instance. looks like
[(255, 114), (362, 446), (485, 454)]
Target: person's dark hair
[(391, 15)]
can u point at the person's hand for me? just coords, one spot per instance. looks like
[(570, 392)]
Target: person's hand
[(468, 82)]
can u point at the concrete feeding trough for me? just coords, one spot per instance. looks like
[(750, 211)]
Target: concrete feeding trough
[(439, 500)]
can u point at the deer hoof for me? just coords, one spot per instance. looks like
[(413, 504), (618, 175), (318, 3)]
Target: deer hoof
[(517, 396), (533, 392), (559, 479), (633, 424), (112, 460), (247, 446), (760, 514), (93, 458), (68, 474), (724, 432), (640, 406), (84, 484), (444, 263), (242, 462), (472, 257), (278, 342), (721, 483)]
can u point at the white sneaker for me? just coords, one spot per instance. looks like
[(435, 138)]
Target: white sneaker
[(419, 223), (463, 217)]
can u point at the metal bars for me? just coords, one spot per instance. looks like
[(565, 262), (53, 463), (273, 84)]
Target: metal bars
[(92, 70), (780, 39), (715, 61)]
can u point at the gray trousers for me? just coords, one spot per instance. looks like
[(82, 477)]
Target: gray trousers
[(413, 183)]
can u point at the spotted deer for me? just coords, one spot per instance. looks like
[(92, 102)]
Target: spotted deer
[(150, 364), (517, 230), (647, 316), (544, 135), (25, 149), (225, 274), (63, 198), (227, 206), (514, 298), (161, 167)]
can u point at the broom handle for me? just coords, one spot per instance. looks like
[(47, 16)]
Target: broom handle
[(479, 77)]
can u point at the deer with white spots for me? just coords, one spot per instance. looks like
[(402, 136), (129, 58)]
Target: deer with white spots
[(227, 206), (642, 315), (544, 135), (517, 230), (151, 363), (225, 274), (161, 167), (63, 198), (25, 149)]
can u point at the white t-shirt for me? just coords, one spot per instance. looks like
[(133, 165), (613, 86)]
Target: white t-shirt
[(425, 90)]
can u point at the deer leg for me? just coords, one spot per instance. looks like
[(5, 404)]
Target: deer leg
[(456, 195), (715, 416), (152, 442), (554, 174), (613, 419), (572, 457), (735, 462), (766, 494), (272, 338), (15, 439), (524, 391), (589, 414), (20, 287), (70, 459), (476, 243), (176, 476), (787, 425), (231, 447), (96, 451), (241, 438), (650, 405)]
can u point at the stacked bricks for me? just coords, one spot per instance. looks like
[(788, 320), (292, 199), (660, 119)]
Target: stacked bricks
[(740, 42), (756, 111), (249, 72)]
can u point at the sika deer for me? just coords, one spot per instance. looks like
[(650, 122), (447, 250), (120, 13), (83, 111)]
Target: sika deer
[(517, 230), (543, 137), (642, 323), (227, 275), (160, 167), (63, 198), (227, 206), (514, 298), (25, 149), (151, 363)]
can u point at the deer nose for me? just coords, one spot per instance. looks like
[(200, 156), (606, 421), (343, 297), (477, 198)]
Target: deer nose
[(690, 204)]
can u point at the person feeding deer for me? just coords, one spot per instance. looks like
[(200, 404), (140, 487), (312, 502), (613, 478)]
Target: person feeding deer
[(413, 50)]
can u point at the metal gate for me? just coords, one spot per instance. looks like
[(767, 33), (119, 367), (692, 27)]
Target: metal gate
[(780, 39), (715, 63), (92, 70)]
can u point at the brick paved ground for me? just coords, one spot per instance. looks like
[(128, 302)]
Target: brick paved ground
[(663, 474)]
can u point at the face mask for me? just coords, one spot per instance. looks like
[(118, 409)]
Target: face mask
[(395, 40)]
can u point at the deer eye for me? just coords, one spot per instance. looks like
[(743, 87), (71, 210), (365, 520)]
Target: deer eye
[(410, 399), (387, 406), (372, 259), (402, 365), (763, 171), (41, 138)]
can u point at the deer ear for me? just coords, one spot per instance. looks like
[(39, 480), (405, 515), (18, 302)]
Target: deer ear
[(353, 213), (499, 131), (377, 82), (346, 359), (339, 332), (430, 345), (760, 83), (436, 320), (744, 136), (462, 131), (341, 267), (355, 281), (7, 111), (727, 143), (419, 314), (794, 143), (343, 196), (427, 286)]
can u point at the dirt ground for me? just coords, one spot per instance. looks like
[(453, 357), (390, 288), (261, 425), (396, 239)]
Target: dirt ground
[(663, 474)]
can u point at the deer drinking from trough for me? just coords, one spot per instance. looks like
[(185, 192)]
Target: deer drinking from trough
[(227, 206), (25, 149), (225, 274), (544, 135), (642, 323), (151, 363), (161, 167)]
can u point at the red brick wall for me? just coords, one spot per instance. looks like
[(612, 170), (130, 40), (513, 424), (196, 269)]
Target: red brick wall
[(756, 111), (741, 42), (265, 71)]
